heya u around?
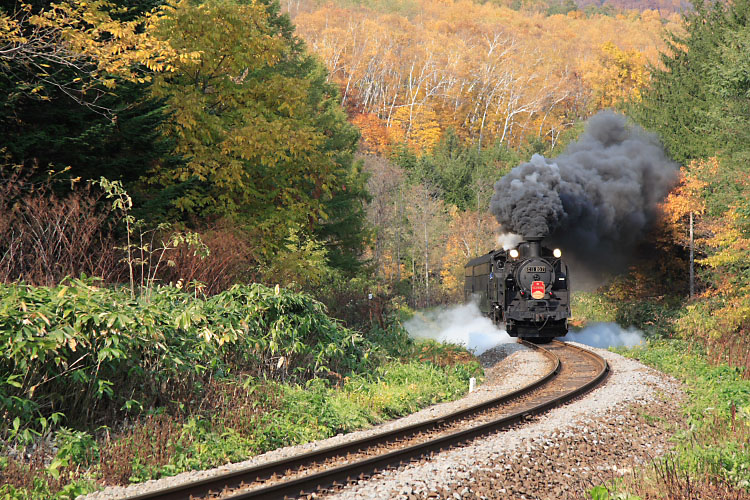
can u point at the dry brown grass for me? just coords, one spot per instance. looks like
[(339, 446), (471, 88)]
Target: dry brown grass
[(28, 470), (443, 354), (234, 406), (732, 349), (48, 236), (666, 479), (153, 439), (231, 259)]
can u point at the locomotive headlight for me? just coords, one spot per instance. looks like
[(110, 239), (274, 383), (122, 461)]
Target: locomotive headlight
[(514, 254), (557, 253)]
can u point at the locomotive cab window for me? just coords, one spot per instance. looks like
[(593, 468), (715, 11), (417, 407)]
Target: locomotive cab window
[(482, 269)]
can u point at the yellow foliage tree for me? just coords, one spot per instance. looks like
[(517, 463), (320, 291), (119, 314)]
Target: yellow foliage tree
[(417, 126), (617, 75), (470, 234), (85, 38), (688, 197)]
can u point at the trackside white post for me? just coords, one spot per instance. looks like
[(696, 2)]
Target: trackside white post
[(472, 384)]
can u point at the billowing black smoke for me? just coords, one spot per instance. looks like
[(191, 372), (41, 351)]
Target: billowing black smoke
[(597, 198)]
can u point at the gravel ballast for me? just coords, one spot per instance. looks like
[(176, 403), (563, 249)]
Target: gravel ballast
[(561, 454), (555, 456)]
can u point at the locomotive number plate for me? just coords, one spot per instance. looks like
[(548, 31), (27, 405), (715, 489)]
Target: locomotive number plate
[(536, 269)]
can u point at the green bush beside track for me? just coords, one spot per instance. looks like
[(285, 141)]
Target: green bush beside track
[(170, 381)]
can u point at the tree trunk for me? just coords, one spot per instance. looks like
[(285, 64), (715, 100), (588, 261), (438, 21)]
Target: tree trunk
[(692, 265), (426, 264)]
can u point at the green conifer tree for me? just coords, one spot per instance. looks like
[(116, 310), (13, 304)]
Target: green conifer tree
[(698, 101)]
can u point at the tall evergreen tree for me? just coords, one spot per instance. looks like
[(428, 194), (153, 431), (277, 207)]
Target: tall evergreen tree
[(123, 143), (68, 118), (461, 174), (698, 101)]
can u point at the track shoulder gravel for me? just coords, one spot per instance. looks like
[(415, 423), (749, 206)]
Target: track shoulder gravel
[(561, 455), (508, 367)]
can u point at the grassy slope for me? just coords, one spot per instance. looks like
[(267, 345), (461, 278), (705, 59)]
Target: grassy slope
[(713, 456), (241, 373)]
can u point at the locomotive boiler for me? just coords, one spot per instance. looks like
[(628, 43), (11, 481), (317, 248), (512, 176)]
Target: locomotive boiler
[(524, 289)]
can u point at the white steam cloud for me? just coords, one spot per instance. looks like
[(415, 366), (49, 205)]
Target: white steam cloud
[(606, 335), (509, 240), (463, 324)]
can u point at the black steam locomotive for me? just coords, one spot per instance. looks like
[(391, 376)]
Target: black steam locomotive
[(525, 288)]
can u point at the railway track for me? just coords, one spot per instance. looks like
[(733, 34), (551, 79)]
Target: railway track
[(574, 371)]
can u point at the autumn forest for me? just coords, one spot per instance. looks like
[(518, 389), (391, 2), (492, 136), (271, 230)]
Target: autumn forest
[(341, 153)]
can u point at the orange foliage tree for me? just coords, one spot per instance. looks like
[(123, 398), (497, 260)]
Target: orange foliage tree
[(688, 196), (721, 316)]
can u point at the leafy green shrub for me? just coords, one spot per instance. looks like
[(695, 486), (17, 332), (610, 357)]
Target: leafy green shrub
[(591, 307), (652, 316), (176, 361), (392, 340), (75, 447), (91, 352), (441, 353)]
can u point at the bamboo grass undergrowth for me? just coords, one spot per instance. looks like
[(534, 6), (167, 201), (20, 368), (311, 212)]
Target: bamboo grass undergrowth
[(99, 388)]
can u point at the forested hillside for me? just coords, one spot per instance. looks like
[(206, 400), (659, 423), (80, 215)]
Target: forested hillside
[(493, 74), (160, 162), (449, 96)]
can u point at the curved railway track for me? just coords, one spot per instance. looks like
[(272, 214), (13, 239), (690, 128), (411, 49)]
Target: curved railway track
[(574, 371)]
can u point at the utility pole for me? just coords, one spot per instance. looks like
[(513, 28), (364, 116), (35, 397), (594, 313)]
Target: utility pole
[(692, 270)]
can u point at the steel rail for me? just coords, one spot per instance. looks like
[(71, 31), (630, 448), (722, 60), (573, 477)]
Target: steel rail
[(307, 484), (339, 474)]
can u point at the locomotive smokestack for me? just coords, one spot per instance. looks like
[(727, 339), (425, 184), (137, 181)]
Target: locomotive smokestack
[(535, 245)]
